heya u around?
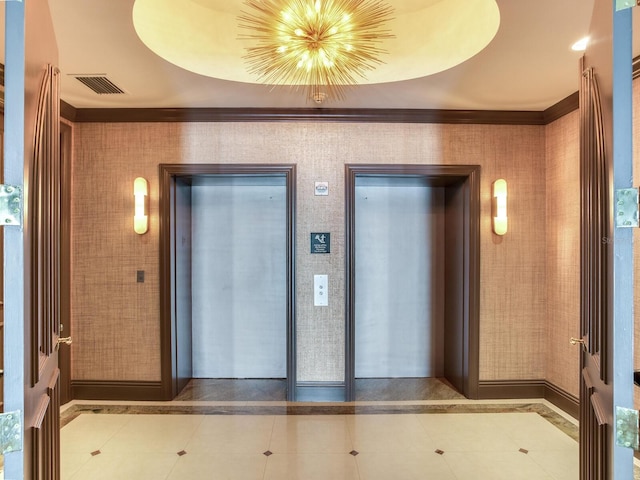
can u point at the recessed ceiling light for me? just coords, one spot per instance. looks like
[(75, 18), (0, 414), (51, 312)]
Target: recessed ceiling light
[(580, 45)]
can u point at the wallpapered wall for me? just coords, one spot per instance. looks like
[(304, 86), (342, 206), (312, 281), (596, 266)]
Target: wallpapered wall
[(116, 320), (563, 251)]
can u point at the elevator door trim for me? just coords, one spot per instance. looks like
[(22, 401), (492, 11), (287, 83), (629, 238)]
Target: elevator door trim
[(466, 178), (168, 174)]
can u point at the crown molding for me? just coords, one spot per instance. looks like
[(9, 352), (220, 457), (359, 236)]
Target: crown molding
[(562, 108), (352, 115)]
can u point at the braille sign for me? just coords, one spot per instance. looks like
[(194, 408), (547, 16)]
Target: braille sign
[(320, 242)]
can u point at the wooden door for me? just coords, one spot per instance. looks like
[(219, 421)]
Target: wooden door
[(32, 252), (606, 249)]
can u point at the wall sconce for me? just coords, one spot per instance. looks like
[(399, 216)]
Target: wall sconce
[(499, 207), (140, 217)]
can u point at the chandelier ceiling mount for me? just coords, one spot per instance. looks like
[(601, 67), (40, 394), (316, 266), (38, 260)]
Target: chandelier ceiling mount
[(322, 46)]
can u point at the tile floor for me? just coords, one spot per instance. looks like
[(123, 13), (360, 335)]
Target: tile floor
[(419, 440)]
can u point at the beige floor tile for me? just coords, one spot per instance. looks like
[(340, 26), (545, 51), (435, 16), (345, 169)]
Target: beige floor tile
[(478, 446), (467, 433), (311, 467), (444, 423), (70, 463), (533, 432), (494, 466), (219, 466), (560, 464), (89, 432), (311, 434), (154, 433), (388, 433), (232, 434), (127, 466), (403, 466)]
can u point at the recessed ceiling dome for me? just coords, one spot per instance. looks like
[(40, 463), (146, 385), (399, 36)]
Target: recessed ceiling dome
[(202, 36)]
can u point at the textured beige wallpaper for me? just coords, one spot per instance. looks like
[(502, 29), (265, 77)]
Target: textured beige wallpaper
[(563, 252), (116, 320)]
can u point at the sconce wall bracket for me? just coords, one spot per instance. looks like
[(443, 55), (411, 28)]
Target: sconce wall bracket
[(626, 208), (11, 205)]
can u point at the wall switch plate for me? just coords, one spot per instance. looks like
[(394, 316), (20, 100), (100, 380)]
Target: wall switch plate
[(321, 290), (322, 189), (140, 276)]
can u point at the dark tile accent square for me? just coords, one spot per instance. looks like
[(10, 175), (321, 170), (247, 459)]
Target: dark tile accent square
[(181, 453), (354, 452), (96, 452), (267, 453), (524, 450), (440, 452)]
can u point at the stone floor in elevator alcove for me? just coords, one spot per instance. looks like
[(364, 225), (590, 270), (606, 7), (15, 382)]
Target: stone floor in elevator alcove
[(369, 389)]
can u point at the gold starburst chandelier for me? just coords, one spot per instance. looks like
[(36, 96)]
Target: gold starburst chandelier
[(321, 45)]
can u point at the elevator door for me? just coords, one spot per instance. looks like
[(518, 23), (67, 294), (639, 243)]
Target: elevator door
[(399, 278), (239, 276)]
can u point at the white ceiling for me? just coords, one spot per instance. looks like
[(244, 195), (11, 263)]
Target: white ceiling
[(528, 66)]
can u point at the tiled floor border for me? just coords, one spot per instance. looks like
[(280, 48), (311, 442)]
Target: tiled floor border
[(555, 418)]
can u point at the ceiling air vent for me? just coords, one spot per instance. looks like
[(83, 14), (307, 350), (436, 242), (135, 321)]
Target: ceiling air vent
[(100, 84)]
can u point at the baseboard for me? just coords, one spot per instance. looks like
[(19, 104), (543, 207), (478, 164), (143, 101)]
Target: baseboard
[(116, 390), (320, 392), (506, 389), (563, 400)]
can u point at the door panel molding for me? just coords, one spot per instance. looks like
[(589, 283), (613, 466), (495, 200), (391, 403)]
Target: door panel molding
[(595, 223), (44, 203), (45, 438), (594, 277)]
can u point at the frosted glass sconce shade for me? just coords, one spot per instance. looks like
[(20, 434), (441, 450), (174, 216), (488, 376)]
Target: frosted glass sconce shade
[(499, 207), (140, 217)]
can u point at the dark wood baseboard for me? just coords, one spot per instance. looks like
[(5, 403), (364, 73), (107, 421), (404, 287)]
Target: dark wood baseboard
[(507, 389), (116, 390), (563, 400)]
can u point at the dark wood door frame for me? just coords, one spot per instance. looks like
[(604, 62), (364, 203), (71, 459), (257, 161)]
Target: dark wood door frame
[(64, 354), (168, 174), (464, 334)]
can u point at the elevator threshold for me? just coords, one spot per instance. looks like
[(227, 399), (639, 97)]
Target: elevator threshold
[(235, 390), (405, 389)]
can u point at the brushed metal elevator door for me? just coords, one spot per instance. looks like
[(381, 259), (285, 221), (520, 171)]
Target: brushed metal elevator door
[(399, 278), (239, 276)]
